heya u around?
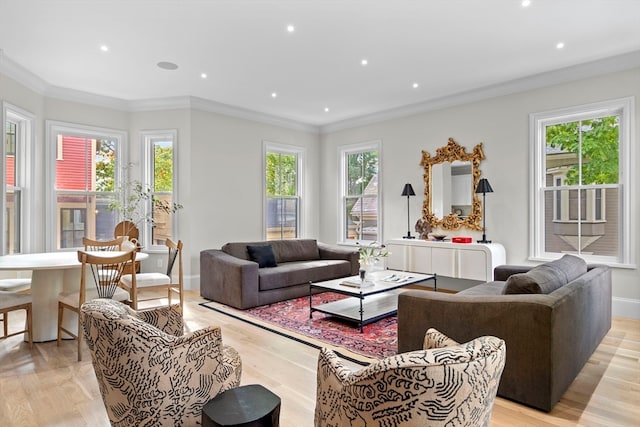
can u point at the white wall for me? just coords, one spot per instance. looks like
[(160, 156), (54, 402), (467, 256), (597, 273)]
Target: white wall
[(502, 125), (226, 182)]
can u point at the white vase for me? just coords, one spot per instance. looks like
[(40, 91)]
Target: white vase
[(128, 245), (370, 266)]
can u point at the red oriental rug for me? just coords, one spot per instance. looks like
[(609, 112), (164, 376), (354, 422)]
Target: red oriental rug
[(291, 319)]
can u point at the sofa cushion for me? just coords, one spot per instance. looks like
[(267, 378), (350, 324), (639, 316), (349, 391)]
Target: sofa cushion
[(295, 250), (263, 255), (301, 272), (546, 277)]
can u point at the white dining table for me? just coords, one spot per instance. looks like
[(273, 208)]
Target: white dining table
[(51, 273)]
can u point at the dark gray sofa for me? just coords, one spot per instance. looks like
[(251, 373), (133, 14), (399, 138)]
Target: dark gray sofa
[(228, 275), (549, 336)]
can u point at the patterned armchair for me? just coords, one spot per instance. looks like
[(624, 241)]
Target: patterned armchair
[(445, 384), (148, 372)]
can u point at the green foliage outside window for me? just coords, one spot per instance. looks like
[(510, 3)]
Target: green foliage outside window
[(105, 165), (599, 149), (282, 171), (361, 168), (163, 168)]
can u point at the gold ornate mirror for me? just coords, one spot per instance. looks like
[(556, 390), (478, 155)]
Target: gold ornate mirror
[(450, 179)]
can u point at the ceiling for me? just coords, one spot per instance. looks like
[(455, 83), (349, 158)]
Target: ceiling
[(447, 47)]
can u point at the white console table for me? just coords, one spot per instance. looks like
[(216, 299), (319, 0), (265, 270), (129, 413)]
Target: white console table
[(474, 261)]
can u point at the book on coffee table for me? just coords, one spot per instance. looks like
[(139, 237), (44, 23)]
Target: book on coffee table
[(356, 283)]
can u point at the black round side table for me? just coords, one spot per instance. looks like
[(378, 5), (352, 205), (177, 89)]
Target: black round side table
[(244, 406)]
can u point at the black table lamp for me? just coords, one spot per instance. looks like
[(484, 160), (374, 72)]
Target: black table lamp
[(408, 191), (484, 187)]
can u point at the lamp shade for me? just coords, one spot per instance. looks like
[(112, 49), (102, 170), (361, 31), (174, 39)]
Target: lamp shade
[(484, 186), (408, 190)]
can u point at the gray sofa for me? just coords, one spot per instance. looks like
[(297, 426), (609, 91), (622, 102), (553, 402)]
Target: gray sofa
[(552, 318), (232, 276)]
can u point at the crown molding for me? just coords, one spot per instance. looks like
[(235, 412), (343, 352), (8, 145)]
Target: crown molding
[(563, 75), (242, 113), (20, 74), (88, 98)]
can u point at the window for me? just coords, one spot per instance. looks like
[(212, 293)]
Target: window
[(360, 211), (84, 177), (282, 173), (15, 209), (160, 172), (581, 184)]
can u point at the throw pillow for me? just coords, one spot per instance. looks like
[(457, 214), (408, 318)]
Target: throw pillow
[(570, 265), (263, 255), (547, 277), (521, 283)]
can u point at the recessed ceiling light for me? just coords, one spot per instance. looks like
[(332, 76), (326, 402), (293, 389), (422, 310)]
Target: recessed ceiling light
[(526, 3), (560, 45), (274, 95), (203, 75), (415, 85), (104, 48), (364, 62), (165, 65), (291, 28), (326, 109)]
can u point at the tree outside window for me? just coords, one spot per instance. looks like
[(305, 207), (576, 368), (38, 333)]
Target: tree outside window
[(581, 189), (360, 202), (583, 157), (282, 195), (84, 181), (160, 173)]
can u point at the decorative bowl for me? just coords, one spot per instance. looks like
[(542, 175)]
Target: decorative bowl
[(438, 236)]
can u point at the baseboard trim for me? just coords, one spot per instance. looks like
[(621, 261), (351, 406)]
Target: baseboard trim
[(626, 307)]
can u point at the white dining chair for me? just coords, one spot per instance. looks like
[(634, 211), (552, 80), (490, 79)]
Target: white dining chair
[(14, 301), (15, 285), (156, 281)]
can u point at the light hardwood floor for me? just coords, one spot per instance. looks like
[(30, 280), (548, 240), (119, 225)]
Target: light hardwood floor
[(46, 386)]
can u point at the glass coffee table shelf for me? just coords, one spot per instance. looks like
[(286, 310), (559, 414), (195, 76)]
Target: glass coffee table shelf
[(375, 300)]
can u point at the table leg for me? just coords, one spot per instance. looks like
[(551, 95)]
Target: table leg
[(310, 316), (361, 315), (45, 287)]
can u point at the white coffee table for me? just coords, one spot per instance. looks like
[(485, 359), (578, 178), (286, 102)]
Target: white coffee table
[(370, 303)]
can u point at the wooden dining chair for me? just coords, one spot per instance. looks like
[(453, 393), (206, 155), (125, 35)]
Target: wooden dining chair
[(102, 245), (15, 285), (155, 281), (14, 301), (99, 278)]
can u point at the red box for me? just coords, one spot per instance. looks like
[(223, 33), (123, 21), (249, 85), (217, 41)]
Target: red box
[(461, 239)]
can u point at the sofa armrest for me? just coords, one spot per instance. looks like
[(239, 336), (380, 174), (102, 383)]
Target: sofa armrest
[(227, 279), (502, 272), (337, 252)]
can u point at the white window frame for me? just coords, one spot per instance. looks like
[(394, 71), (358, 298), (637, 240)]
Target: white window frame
[(268, 147), (146, 141), (25, 122), (343, 152), (624, 107), (53, 129)]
